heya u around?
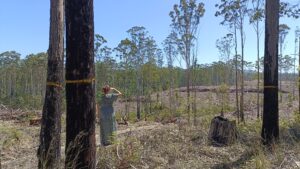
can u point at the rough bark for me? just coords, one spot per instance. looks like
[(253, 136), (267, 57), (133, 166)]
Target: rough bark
[(49, 148), (299, 76), (222, 131), (80, 85), (270, 126)]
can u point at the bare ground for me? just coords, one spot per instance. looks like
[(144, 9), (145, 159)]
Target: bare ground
[(148, 144)]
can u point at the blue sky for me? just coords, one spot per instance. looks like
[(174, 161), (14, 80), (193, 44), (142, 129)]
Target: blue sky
[(25, 25)]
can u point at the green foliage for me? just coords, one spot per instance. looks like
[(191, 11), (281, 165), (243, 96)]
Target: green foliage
[(22, 81)]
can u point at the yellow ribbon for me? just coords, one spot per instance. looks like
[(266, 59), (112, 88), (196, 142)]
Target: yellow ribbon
[(54, 84), (80, 81), (270, 87)]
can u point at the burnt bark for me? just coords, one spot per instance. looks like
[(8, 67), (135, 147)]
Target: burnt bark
[(270, 126), (80, 85), (49, 148), (222, 131)]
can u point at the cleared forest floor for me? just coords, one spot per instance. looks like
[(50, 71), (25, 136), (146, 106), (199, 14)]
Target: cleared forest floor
[(162, 143)]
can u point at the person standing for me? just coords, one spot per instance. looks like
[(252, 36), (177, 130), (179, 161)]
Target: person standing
[(107, 115)]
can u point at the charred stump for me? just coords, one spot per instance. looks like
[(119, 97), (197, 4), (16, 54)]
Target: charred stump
[(222, 131)]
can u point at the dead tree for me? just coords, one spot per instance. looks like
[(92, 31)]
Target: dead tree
[(222, 131)]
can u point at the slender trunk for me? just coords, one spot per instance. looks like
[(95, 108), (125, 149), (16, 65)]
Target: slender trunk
[(80, 85), (294, 73), (49, 148), (242, 74), (270, 126), (258, 78), (299, 75), (188, 93), (280, 74), (236, 75), (138, 98)]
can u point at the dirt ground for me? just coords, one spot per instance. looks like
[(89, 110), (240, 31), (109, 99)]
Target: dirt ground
[(177, 144)]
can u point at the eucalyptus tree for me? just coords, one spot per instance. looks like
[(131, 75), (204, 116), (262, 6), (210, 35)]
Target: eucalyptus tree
[(80, 85), (125, 52), (49, 148), (171, 52), (9, 63), (294, 59), (287, 63), (102, 54), (234, 13), (283, 31), (270, 126), (153, 62), (138, 37), (185, 21), (224, 46), (256, 15), (289, 10), (297, 36)]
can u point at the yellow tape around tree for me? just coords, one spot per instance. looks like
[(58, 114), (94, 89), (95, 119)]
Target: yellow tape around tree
[(270, 87), (54, 84), (86, 81)]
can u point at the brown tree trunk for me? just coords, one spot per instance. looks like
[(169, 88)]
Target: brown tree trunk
[(257, 39), (299, 76), (80, 85), (138, 96), (270, 126), (242, 74), (49, 148), (236, 76)]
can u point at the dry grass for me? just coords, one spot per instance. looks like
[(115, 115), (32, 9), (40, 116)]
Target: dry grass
[(171, 145)]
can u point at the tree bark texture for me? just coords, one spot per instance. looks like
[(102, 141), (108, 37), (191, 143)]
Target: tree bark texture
[(49, 148), (222, 131), (299, 76), (270, 126), (80, 85)]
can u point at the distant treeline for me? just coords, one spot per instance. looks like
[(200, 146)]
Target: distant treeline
[(22, 80)]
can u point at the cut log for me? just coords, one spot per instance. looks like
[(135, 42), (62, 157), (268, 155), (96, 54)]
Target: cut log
[(222, 131)]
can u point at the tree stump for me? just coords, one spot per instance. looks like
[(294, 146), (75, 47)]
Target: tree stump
[(222, 131)]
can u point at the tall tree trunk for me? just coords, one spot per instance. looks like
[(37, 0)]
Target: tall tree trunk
[(280, 71), (138, 97), (188, 43), (236, 74), (258, 78), (242, 74), (299, 76), (49, 148), (188, 93), (80, 85), (270, 126), (294, 72)]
